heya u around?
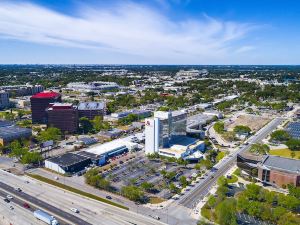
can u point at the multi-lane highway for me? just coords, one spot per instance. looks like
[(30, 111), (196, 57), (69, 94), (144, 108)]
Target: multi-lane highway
[(191, 198), (90, 211), (66, 217)]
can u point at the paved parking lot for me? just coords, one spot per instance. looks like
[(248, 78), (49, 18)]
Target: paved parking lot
[(245, 219), (141, 169)]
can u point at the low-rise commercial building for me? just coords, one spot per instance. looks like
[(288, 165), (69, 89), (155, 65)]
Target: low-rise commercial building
[(95, 86), (279, 171), (63, 116), (112, 148), (11, 133), (184, 147), (140, 113), (273, 170), (68, 163)]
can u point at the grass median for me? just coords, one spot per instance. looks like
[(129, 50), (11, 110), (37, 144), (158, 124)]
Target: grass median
[(74, 190)]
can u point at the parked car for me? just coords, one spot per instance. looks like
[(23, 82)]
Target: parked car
[(108, 197)]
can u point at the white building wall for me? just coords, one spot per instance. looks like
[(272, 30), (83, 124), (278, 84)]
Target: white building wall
[(54, 167), (151, 135)]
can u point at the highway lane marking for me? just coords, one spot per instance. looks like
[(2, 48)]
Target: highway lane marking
[(36, 206)]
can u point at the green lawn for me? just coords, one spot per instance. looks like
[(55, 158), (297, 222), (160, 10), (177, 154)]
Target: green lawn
[(74, 190), (156, 200), (284, 153), (233, 179)]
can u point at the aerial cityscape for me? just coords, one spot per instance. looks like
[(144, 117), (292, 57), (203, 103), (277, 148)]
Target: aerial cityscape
[(180, 112)]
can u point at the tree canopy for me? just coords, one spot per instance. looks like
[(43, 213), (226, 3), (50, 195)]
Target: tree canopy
[(280, 136)]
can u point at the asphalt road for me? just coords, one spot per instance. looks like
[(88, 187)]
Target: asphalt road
[(21, 203), (94, 212), (191, 198), (43, 205)]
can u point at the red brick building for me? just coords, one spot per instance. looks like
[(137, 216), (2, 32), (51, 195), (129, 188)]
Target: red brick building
[(63, 116), (279, 171), (40, 102)]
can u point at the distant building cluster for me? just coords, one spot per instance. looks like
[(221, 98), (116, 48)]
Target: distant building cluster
[(22, 90), (95, 86), (190, 74), (17, 90)]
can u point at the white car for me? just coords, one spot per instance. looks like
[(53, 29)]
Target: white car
[(9, 197), (74, 210)]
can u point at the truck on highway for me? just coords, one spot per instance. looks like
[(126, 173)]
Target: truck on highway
[(45, 217)]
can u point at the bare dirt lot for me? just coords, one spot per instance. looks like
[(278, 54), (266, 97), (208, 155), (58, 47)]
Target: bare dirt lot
[(253, 121)]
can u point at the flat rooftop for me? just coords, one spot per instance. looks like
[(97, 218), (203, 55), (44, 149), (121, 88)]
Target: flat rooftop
[(91, 106), (46, 94), (280, 163), (108, 147), (68, 159), (12, 132)]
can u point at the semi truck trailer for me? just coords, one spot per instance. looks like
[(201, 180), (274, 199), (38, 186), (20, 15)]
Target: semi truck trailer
[(45, 217)]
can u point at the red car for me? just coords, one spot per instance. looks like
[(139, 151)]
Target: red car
[(25, 205)]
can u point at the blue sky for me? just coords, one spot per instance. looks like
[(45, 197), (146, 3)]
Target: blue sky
[(150, 31)]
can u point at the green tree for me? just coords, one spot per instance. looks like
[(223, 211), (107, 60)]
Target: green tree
[(252, 191), (293, 144), (173, 188), (99, 124), (294, 191), (183, 181), (242, 203), (222, 181), (289, 219), (31, 158), (278, 212), (147, 186), (51, 133), (280, 136), (85, 125), (261, 149), (133, 193), (17, 150), (211, 202), (219, 127), (226, 212), (240, 129)]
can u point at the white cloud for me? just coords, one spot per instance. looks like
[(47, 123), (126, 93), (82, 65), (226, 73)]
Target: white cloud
[(245, 49), (129, 28)]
